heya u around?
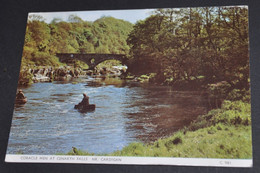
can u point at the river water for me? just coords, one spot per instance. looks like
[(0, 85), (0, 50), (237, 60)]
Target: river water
[(125, 112)]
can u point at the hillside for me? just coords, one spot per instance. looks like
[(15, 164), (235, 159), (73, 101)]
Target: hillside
[(43, 41)]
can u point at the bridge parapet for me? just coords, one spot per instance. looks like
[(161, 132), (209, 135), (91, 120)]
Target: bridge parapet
[(92, 59)]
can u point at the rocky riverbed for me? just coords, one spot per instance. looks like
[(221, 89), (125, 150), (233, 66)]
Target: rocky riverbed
[(49, 74)]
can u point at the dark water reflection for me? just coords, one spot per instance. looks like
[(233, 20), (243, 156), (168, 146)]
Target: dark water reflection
[(125, 112)]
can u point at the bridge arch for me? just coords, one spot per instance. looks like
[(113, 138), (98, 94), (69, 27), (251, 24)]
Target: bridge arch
[(88, 58)]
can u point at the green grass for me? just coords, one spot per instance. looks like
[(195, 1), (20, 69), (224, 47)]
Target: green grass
[(222, 133), (210, 142)]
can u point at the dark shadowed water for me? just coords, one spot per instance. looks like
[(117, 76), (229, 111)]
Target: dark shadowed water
[(125, 112)]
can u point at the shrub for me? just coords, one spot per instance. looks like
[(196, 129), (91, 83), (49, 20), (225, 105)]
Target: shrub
[(218, 90), (231, 113), (25, 77), (237, 94)]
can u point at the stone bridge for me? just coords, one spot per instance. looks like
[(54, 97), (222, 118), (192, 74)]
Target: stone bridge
[(91, 59)]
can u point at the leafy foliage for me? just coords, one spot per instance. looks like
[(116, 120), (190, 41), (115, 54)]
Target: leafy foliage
[(185, 44), (231, 113), (43, 41)]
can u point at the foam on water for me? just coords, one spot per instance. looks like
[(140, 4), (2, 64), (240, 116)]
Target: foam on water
[(49, 124)]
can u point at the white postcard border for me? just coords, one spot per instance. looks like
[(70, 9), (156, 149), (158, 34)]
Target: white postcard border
[(13, 158)]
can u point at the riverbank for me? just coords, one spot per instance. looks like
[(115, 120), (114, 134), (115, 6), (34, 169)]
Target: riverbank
[(221, 133), (36, 74), (31, 75)]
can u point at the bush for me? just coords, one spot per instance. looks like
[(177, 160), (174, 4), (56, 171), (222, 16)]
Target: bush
[(234, 113), (146, 77), (237, 94), (25, 77), (218, 90), (231, 113)]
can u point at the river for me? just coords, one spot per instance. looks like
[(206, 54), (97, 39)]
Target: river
[(125, 112)]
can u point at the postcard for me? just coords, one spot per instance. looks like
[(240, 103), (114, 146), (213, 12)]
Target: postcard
[(164, 86)]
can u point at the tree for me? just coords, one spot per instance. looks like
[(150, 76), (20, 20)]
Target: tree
[(190, 43), (43, 41)]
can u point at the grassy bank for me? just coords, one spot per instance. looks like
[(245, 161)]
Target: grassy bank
[(222, 133)]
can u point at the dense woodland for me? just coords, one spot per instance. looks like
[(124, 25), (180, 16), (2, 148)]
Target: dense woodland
[(182, 45), (43, 41), (173, 46)]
